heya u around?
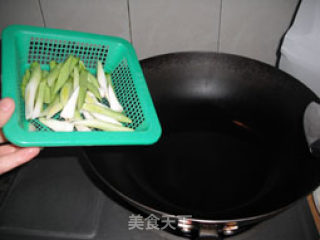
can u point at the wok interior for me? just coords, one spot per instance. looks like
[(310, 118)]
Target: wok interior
[(232, 144)]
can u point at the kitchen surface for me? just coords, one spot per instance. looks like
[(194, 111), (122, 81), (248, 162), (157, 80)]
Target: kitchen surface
[(56, 196), (61, 202)]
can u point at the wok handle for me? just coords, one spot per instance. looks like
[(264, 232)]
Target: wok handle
[(208, 232), (311, 125), (315, 148)]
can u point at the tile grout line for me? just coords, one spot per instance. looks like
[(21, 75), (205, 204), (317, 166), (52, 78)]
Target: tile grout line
[(219, 27), (42, 15), (129, 22)]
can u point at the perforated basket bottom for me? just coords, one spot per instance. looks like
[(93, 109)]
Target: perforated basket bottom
[(43, 50)]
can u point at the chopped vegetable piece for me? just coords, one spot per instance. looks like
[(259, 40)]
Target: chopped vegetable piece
[(56, 125), (95, 108), (81, 66), (39, 102), (25, 81), (83, 83), (52, 64), (53, 108), (69, 108), (32, 65), (65, 93), (94, 90), (103, 125), (87, 115), (105, 118), (90, 98), (31, 89), (47, 94), (53, 75), (63, 75), (82, 128), (73, 63), (75, 78), (113, 100), (44, 74), (93, 81), (102, 80), (112, 97), (108, 79), (77, 115)]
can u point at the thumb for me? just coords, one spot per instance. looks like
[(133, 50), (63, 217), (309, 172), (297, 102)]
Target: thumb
[(6, 110)]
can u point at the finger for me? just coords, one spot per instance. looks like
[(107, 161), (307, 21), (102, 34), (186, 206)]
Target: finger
[(6, 110), (17, 158), (7, 149), (2, 138)]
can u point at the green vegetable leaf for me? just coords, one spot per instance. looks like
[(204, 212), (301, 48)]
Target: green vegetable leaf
[(47, 94), (82, 67), (53, 75), (24, 82), (63, 75), (83, 84), (52, 64), (65, 92), (53, 108), (39, 102)]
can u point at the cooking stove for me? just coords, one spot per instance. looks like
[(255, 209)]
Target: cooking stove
[(53, 197)]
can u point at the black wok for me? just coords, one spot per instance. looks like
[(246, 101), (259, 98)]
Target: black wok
[(232, 151)]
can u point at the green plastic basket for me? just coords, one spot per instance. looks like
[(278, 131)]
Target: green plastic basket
[(22, 45)]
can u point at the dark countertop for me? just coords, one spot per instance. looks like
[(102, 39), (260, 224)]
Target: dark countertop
[(52, 198)]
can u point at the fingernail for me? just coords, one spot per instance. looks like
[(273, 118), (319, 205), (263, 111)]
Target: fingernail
[(32, 150), (5, 104)]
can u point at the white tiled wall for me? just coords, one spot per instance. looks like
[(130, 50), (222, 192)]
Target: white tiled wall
[(168, 26), (109, 17), (20, 12), (251, 28)]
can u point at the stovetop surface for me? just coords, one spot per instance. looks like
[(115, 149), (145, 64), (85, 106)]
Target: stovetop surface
[(52, 197)]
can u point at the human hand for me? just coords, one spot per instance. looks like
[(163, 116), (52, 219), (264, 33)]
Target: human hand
[(12, 156)]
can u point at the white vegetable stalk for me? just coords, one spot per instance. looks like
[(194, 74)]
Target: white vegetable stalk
[(112, 97), (56, 125), (69, 108), (39, 103), (105, 118), (103, 125), (75, 78), (102, 81), (90, 98), (87, 115), (31, 89), (82, 128), (113, 100)]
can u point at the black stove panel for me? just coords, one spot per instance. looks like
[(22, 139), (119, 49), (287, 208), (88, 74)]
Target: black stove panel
[(53, 198)]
